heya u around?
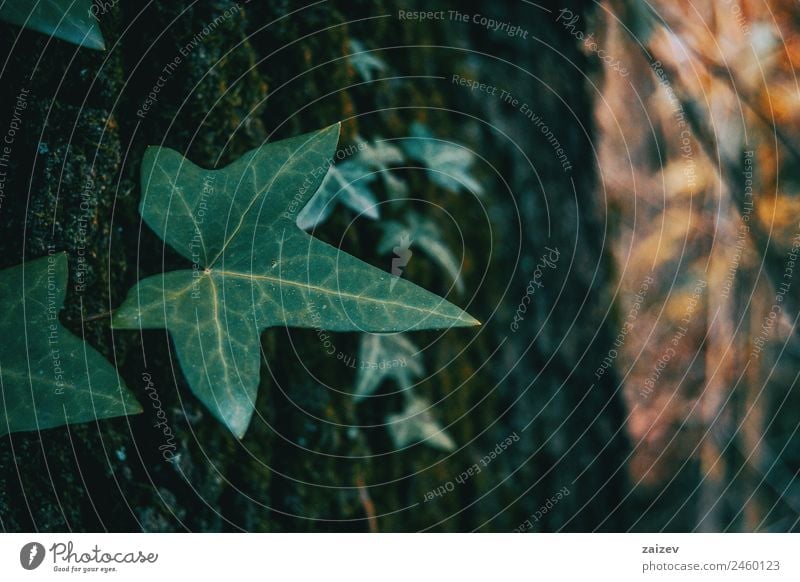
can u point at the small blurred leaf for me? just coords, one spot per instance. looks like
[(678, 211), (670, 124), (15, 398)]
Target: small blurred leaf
[(386, 357), (426, 237), (417, 424), (380, 155), (69, 20), (449, 163), (349, 183), (363, 61), (346, 183)]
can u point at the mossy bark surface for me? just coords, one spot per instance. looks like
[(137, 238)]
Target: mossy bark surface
[(259, 74)]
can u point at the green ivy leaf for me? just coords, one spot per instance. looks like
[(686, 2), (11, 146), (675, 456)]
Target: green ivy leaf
[(424, 234), (49, 377), (347, 183), (379, 156), (253, 268), (417, 424), (363, 61), (386, 357), (70, 20), (448, 163)]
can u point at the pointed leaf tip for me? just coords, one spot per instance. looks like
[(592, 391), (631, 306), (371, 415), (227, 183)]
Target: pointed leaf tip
[(70, 20)]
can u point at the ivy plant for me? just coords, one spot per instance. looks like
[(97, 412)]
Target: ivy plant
[(254, 268), (49, 377), (426, 236), (386, 357), (416, 423), (395, 357), (69, 20), (346, 183), (350, 183), (363, 61), (449, 164)]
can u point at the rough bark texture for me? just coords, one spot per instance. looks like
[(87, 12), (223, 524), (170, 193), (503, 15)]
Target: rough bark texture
[(255, 77)]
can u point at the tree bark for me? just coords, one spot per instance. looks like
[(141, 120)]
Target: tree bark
[(257, 76)]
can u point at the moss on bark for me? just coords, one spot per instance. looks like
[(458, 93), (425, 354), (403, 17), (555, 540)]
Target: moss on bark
[(256, 75)]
